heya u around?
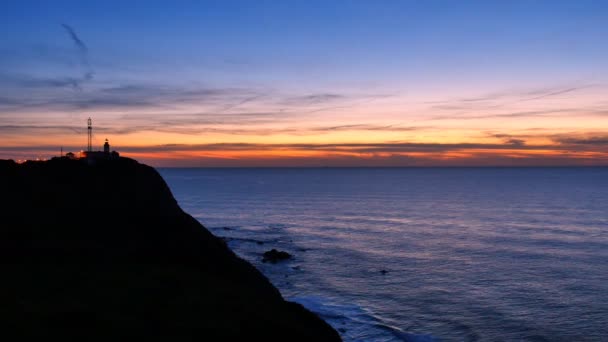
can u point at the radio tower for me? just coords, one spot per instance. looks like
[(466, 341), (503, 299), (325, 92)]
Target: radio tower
[(90, 135)]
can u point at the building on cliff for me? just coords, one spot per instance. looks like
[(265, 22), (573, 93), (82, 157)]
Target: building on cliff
[(93, 156), (100, 155)]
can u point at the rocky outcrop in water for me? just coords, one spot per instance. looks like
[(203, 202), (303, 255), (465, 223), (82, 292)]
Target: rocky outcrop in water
[(103, 252), (274, 256)]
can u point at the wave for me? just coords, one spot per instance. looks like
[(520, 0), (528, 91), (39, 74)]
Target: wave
[(355, 323)]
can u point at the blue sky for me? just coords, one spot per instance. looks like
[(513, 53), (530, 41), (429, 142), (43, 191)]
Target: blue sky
[(388, 42)]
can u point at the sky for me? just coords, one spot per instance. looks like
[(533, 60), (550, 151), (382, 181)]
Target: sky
[(308, 83)]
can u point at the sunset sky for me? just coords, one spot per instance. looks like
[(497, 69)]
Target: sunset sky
[(308, 83)]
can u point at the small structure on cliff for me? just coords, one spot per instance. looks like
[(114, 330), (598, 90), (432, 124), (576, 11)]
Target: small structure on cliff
[(101, 155), (93, 156)]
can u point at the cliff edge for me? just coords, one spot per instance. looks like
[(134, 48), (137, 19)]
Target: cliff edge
[(104, 252)]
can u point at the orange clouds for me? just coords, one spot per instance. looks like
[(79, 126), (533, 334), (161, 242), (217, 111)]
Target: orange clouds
[(368, 155), (167, 126)]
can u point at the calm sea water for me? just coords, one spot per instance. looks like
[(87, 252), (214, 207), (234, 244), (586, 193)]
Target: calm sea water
[(470, 254)]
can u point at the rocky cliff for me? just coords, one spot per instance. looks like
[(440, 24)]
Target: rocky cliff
[(104, 252)]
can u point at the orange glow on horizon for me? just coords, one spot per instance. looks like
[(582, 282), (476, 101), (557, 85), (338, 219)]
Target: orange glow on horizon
[(393, 130)]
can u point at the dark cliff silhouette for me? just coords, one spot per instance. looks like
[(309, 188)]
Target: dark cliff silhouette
[(104, 252)]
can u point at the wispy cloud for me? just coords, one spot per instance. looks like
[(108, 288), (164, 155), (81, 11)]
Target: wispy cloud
[(598, 140), (205, 125), (500, 99), (515, 142), (79, 43), (83, 51), (362, 148), (15, 80), (33, 129), (568, 151), (546, 94), (144, 96), (313, 99), (506, 104), (30, 82), (515, 114)]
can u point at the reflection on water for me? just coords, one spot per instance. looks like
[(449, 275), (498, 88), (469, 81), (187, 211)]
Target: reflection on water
[(467, 254)]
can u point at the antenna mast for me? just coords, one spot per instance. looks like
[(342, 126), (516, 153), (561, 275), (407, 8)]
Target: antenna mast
[(90, 135)]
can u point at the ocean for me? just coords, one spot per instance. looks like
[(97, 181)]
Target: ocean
[(421, 254)]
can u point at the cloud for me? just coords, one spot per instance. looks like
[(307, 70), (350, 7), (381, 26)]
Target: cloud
[(236, 124), (26, 81), (128, 96), (313, 99), (509, 139), (580, 152), (385, 154), (585, 140), (348, 147), (557, 112), (484, 106), (31, 129), (552, 93), (79, 43), (323, 102), (83, 52), (16, 80), (397, 147), (241, 102), (510, 145), (515, 142), (173, 109)]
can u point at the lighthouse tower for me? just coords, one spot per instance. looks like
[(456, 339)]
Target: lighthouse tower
[(89, 135), (106, 147)]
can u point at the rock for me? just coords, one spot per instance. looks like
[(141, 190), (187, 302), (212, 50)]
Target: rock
[(104, 252), (384, 272), (274, 256)]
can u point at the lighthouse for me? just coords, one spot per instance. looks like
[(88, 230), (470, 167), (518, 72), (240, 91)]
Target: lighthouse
[(92, 157)]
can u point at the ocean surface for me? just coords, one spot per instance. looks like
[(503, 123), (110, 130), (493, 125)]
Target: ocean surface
[(468, 254)]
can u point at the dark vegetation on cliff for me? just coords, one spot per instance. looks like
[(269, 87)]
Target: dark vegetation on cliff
[(104, 252)]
